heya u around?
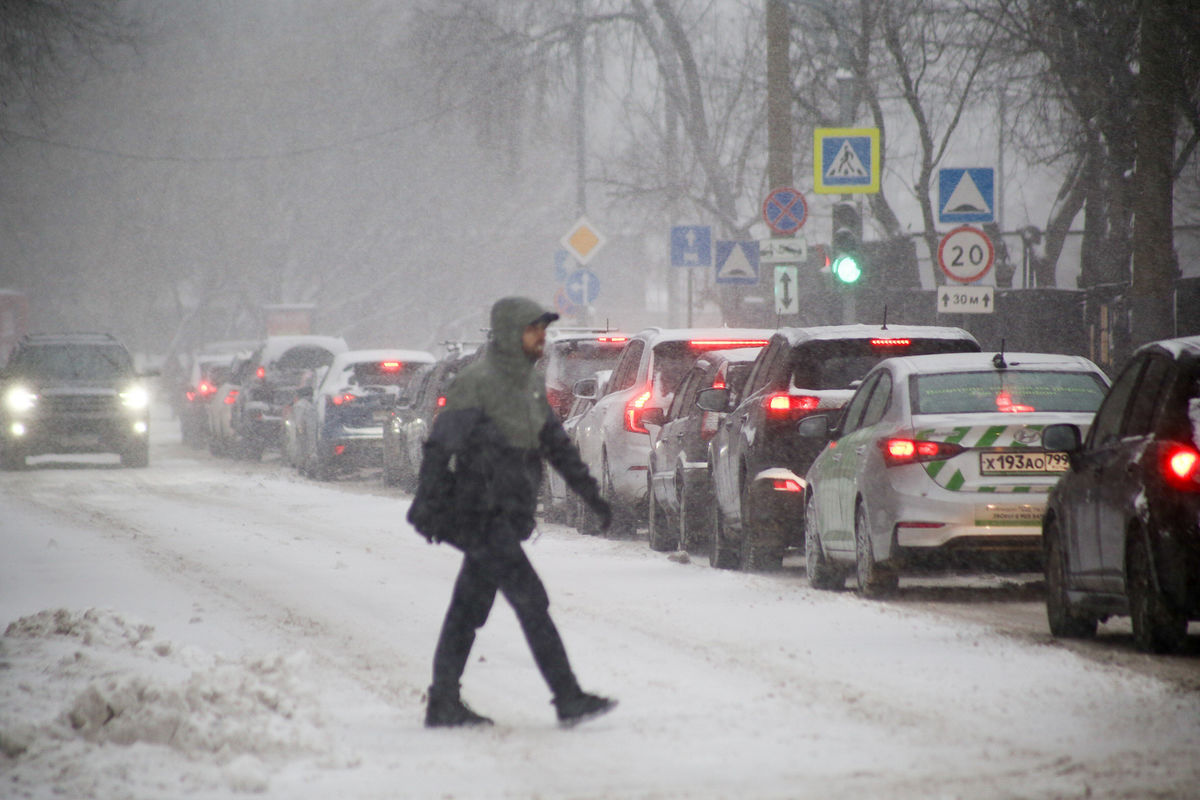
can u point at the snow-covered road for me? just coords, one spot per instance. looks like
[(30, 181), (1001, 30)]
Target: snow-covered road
[(206, 628)]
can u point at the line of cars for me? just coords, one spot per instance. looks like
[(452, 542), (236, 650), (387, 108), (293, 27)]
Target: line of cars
[(876, 451)]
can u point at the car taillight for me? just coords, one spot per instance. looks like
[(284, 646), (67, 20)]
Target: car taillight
[(891, 342), (612, 339), (1005, 404), (782, 405), (786, 485), (190, 395), (898, 451), (633, 413), (1181, 466), (231, 398), (260, 373), (391, 366), (339, 399), (717, 344), (441, 401)]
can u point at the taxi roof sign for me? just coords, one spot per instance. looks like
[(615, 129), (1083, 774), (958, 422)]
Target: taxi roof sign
[(583, 241)]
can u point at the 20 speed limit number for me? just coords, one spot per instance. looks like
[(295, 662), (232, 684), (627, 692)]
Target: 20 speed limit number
[(966, 254)]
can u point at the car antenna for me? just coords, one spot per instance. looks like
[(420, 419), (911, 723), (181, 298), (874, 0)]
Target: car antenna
[(998, 360), (884, 328)]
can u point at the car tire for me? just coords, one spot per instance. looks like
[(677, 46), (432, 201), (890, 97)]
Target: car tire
[(12, 457), (822, 573), (1157, 627), (761, 545), (720, 556), (136, 455), (874, 580), (695, 534), (663, 537), (622, 525), (1065, 622)]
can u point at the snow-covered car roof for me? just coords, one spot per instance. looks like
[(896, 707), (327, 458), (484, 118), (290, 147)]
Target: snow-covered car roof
[(832, 332), (275, 346), (343, 361), (1177, 346), (973, 362)]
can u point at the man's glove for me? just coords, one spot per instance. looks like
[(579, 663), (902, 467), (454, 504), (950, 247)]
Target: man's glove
[(603, 511)]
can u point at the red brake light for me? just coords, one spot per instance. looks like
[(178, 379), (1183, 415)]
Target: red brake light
[(897, 451), (206, 388), (633, 413), (786, 485), (891, 342), (612, 339), (782, 404), (260, 373), (1181, 466), (719, 383), (391, 366), (441, 401), (346, 397), (231, 398), (716, 344), (190, 395), (1004, 403)]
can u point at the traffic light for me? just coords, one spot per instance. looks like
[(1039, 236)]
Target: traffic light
[(847, 265)]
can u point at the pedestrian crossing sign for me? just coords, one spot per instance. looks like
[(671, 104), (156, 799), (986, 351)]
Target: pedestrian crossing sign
[(846, 160)]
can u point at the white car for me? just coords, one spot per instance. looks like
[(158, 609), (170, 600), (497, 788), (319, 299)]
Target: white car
[(612, 439), (940, 456)]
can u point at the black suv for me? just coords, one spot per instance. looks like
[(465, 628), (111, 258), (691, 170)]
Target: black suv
[(73, 393)]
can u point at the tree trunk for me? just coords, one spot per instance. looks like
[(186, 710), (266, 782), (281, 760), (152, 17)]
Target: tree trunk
[(1154, 263)]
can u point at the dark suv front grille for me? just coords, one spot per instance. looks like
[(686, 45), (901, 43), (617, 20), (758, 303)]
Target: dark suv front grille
[(70, 404)]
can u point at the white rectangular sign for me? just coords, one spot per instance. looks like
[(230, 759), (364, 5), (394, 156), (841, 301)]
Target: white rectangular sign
[(787, 300), (783, 251), (966, 299)]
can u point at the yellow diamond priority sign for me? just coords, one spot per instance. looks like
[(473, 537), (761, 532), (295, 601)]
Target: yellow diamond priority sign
[(583, 241)]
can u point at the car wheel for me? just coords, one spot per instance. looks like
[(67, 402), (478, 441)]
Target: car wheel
[(1157, 627), (874, 580), (694, 523), (136, 454), (761, 545), (662, 536), (12, 457), (822, 573), (720, 555), (1064, 621), (622, 525)]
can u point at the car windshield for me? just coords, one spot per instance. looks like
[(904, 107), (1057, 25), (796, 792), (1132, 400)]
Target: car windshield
[(840, 364), (577, 359), (672, 360), (1005, 390), (73, 362)]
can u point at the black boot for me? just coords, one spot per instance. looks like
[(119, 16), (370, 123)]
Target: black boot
[(445, 709), (580, 707)]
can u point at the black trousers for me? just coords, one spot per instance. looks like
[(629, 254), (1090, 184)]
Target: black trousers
[(500, 565)]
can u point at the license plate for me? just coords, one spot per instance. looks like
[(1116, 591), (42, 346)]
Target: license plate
[(1038, 463)]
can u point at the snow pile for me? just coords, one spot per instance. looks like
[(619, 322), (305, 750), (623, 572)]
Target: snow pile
[(108, 681)]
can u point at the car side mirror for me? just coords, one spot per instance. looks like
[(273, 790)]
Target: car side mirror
[(654, 416), (1062, 437), (713, 400), (816, 426), (585, 389)]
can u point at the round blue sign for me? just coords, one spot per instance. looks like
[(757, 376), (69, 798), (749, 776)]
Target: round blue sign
[(785, 211), (583, 287)]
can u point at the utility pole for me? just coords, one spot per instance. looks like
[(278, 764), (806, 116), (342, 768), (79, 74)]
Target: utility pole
[(779, 96), (580, 114)]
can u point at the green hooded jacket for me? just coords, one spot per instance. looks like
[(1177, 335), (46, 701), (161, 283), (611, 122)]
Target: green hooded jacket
[(504, 383)]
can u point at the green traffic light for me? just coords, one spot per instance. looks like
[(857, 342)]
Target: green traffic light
[(846, 269)]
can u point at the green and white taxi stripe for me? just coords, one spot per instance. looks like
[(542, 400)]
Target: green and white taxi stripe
[(978, 436)]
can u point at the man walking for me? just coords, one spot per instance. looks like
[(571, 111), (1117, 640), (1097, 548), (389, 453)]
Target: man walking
[(478, 489)]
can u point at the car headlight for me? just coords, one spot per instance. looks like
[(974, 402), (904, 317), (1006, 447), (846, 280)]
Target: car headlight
[(135, 398), (18, 399)]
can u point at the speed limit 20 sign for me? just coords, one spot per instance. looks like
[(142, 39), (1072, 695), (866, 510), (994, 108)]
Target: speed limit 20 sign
[(966, 254)]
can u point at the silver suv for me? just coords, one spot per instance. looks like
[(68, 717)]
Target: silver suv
[(73, 393)]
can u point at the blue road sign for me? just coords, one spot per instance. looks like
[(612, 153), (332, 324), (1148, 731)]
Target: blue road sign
[(967, 195), (691, 246), (737, 262), (582, 287), (785, 211), (560, 264)]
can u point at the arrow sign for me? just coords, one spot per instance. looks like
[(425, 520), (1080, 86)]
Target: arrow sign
[(787, 300), (966, 300)]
